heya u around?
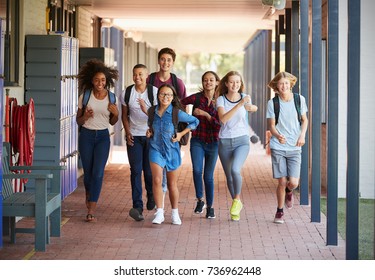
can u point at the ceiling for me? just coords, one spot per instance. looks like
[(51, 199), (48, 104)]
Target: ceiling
[(188, 26)]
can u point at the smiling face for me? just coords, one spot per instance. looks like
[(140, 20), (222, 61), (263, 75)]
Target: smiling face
[(99, 81), (166, 62), (140, 76), (283, 86), (165, 96), (234, 83), (209, 82)]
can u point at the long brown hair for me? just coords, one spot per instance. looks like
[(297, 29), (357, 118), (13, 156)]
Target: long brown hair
[(223, 89), (217, 78)]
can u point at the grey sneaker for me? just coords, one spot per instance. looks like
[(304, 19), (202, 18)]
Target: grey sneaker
[(200, 206), (136, 214), (279, 218)]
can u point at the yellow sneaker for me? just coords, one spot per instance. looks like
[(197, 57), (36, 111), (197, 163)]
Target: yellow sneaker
[(235, 218), (236, 207)]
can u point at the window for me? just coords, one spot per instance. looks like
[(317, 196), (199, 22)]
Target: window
[(62, 17), (10, 12)]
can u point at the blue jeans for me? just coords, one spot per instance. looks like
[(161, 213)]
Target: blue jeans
[(204, 156), (139, 161), (94, 151), (233, 153)]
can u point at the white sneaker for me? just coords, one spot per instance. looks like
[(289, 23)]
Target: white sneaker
[(176, 219), (159, 217)]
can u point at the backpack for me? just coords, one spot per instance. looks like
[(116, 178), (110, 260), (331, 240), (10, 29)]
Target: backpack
[(197, 100), (297, 104), (150, 94), (178, 126), (87, 94), (174, 80), (86, 97)]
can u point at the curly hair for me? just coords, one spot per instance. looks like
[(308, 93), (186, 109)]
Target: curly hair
[(90, 69), (273, 83), (223, 89)]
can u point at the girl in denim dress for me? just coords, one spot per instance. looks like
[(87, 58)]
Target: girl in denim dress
[(165, 149)]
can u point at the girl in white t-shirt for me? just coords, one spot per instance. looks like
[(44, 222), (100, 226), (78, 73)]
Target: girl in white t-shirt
[(94, 118), (234, 136)]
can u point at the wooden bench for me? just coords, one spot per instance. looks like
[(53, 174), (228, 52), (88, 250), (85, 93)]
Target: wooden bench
[(43, 203)]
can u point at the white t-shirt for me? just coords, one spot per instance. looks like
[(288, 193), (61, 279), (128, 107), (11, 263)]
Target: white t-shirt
[(287, 125), (236, 126), (100, 120), (137, 118)]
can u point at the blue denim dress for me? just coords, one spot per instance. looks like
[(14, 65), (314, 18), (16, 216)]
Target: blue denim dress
[(163, 151)]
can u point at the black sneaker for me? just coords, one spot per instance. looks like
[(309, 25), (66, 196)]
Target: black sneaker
[(150, 203), (136, 214), (210, 214), (200, 207)]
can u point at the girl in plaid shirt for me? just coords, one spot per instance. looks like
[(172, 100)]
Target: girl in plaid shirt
[(204, 142)]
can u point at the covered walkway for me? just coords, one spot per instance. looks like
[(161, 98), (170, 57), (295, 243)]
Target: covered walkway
[(116, 236)]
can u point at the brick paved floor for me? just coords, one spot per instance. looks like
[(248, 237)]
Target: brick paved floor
[(117, 236)]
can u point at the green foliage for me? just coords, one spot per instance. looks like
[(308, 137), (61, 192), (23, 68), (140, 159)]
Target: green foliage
[(366, 224), (190, 68)]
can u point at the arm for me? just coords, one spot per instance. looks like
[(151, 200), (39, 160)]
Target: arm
[(125, 123), (251, 108), (82, 117), (301, 138), (143, 105), (188, 100), (113, 118), (272, 128), (200, 112), (226, 116), (177, 137), (192, 123)]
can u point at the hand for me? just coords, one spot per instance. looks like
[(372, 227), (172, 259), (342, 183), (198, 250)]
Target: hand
[(149, 133), (129, 139), (282, 139), (112, 108), (251, 108), (88, 113), (300, 141), (246, 100), (176, 137), (142, 104), (197, 112)]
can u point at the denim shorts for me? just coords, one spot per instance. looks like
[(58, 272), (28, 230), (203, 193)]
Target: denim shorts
[(286, 163)]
